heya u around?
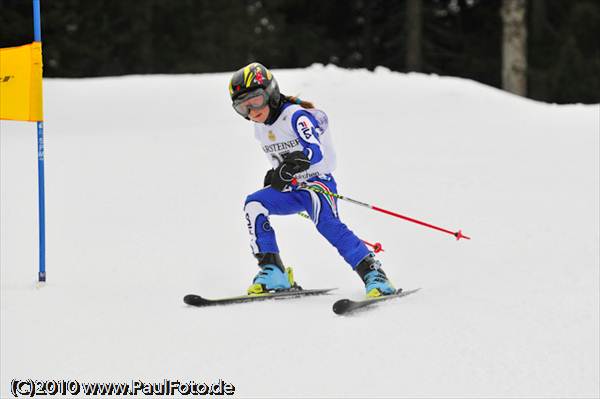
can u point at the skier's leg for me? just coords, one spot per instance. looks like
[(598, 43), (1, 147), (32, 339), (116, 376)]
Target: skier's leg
[(257, 208), (323, 211), (324, 214)]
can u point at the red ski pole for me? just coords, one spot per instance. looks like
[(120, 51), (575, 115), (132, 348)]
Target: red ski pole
[(458, 234), (376, 247)]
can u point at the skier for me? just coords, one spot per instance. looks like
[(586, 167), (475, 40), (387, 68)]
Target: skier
[(296, 139)]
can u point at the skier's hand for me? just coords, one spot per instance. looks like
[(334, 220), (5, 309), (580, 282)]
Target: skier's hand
[(294, 162), (268, 177)]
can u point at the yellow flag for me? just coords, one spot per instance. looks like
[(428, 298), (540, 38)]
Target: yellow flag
[(21, 83)]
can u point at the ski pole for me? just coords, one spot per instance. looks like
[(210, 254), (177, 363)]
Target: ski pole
[(458, 234), (377, 247)]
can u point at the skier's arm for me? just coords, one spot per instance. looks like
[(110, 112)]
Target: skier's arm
[(307, 129)]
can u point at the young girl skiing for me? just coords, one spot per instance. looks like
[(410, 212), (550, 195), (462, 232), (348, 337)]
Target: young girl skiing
[(295, 137)]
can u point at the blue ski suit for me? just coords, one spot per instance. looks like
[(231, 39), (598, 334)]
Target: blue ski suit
[(307, 130)]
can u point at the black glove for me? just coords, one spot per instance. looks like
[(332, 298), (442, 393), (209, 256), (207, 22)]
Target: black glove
[(268, 177), (294, 162)]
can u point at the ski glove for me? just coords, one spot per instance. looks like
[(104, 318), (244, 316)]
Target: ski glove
[(294, 162), (268, 177)]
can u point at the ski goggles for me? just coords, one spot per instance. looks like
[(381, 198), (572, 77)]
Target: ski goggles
[(255, 99)]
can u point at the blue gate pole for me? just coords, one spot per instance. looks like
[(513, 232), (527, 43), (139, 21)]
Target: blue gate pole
[(37, 36)]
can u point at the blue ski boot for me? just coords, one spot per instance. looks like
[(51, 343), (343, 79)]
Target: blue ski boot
[(273, 276), (376, 282)]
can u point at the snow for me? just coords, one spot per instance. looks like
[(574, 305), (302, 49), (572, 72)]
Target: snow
[(145, 182)]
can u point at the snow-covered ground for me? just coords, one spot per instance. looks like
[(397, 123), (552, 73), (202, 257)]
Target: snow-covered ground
[(146, 178)]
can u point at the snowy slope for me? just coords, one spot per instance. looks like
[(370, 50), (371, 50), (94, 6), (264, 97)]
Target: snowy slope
[(146, 178)]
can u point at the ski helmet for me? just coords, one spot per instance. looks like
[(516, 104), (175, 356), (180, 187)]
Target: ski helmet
[(253, 77)]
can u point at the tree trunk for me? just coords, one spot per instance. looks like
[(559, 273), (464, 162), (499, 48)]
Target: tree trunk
[(537, 84), (413, 35), (514, 47)]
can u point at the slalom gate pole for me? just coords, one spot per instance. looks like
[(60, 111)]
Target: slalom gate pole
[(377, 247), (37, 37), (458, 234)]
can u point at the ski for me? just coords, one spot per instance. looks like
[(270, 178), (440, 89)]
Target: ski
[(198, 301), (345, 306)]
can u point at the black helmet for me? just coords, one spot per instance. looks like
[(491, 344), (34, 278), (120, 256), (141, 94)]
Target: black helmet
[(252, 77)]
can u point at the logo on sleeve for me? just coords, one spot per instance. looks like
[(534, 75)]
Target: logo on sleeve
[(305, 129)]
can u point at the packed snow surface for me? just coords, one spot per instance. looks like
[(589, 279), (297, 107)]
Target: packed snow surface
[(145, 182)]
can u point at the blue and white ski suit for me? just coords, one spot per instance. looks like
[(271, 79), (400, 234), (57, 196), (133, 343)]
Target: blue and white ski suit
[(307, 130)]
